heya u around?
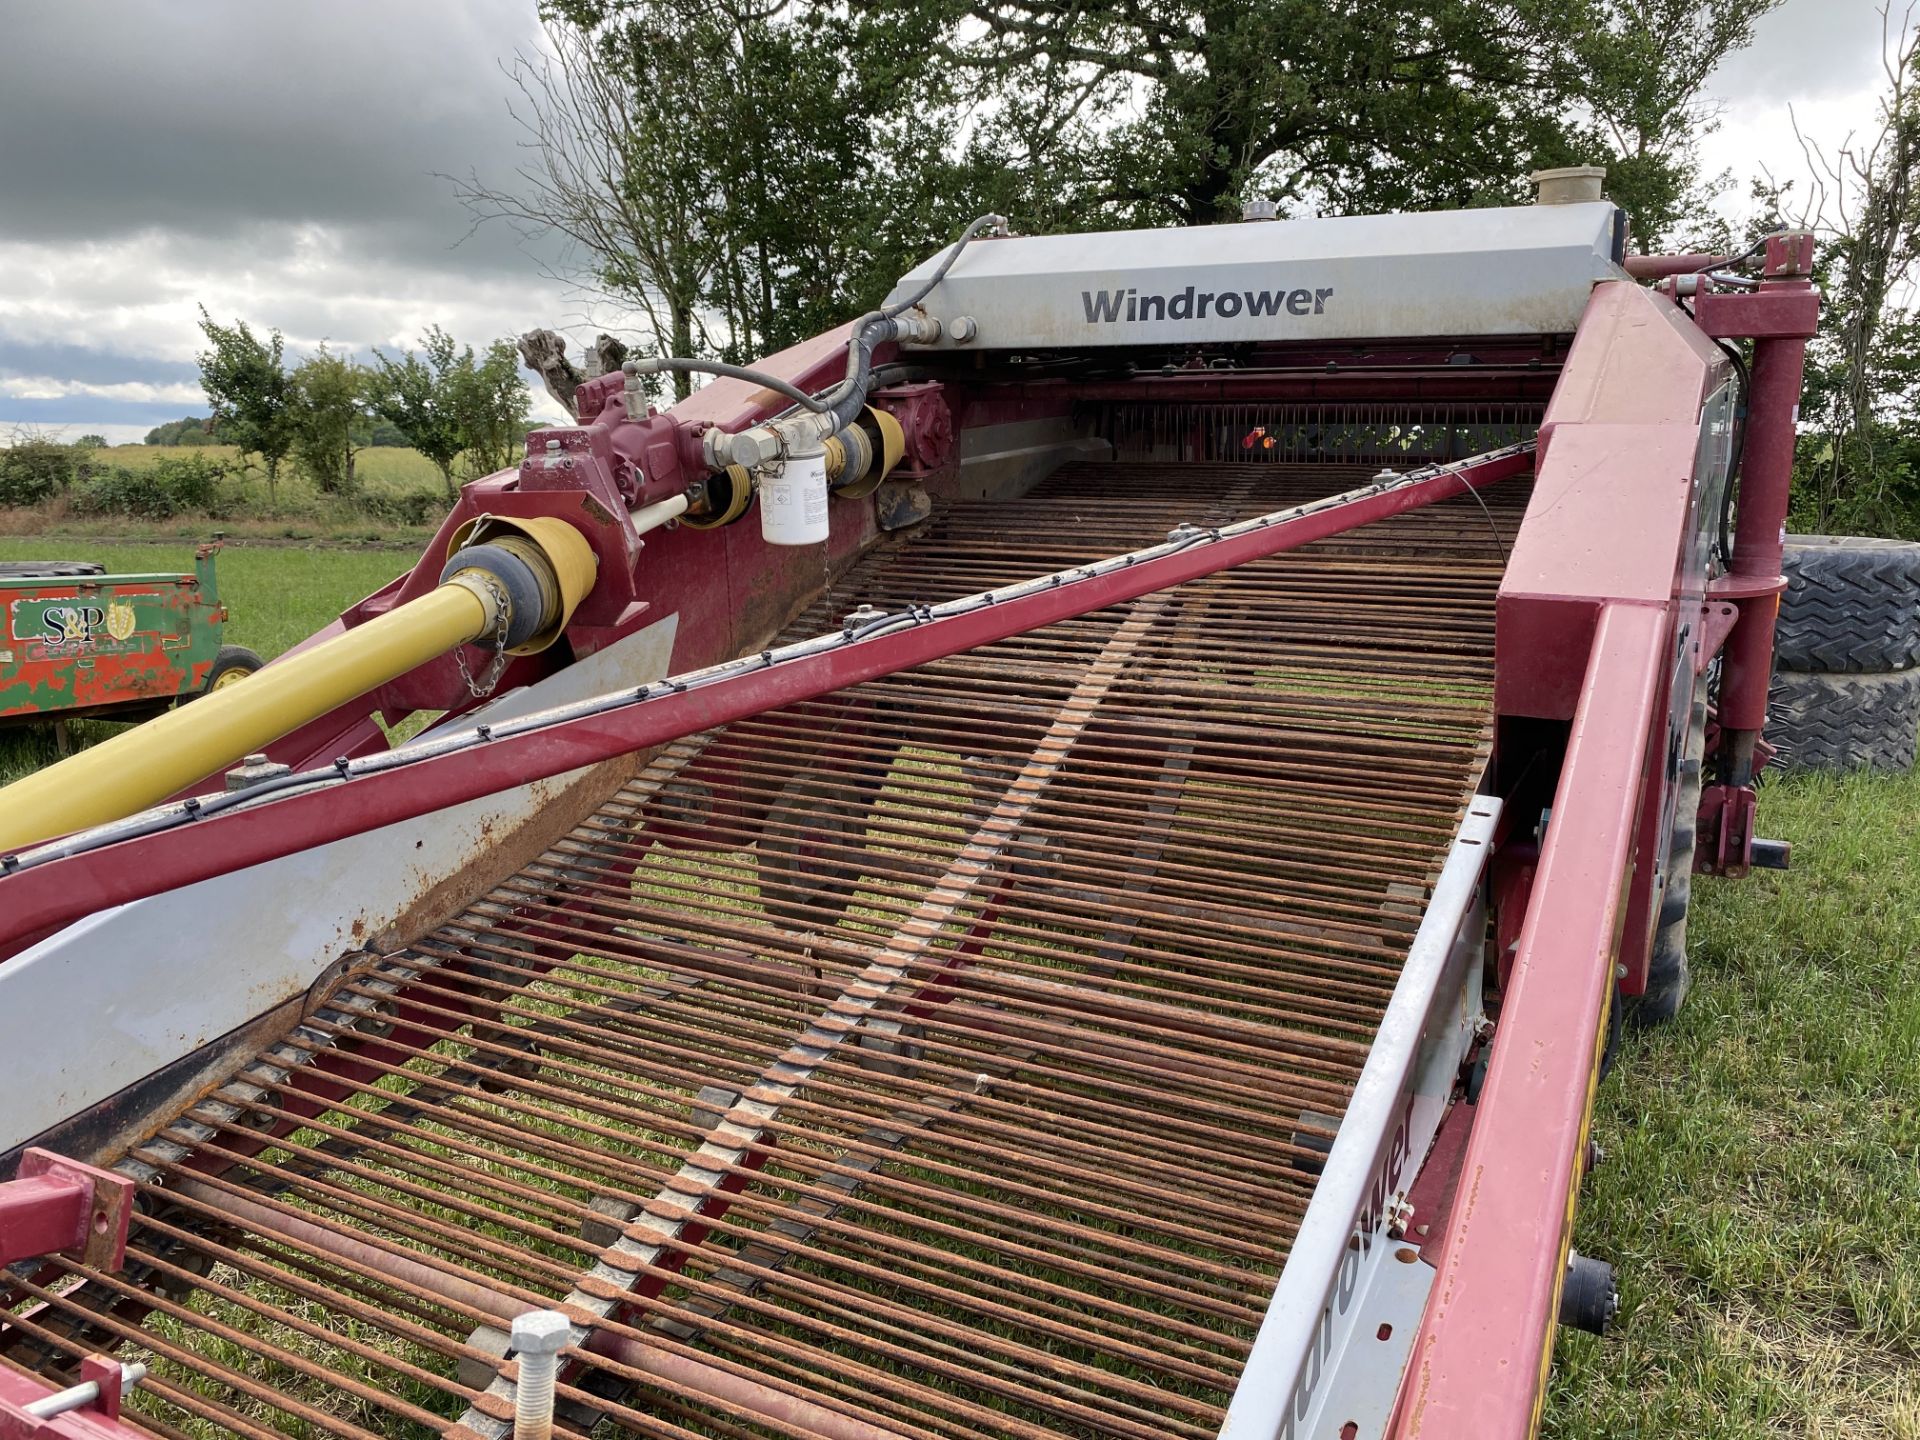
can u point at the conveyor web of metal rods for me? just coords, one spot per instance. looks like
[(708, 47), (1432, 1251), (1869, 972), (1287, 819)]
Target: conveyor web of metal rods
[(947, 1057)]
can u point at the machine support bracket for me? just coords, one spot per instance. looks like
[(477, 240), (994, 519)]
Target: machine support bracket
[(57, 1206), (87, 1411)]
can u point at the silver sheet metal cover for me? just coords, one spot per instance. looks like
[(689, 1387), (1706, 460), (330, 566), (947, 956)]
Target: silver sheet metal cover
[(1524, 270)]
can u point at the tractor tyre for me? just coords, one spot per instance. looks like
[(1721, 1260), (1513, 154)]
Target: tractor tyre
[(1668, 977), (232, 665), (1852, 605), (1844, 722)]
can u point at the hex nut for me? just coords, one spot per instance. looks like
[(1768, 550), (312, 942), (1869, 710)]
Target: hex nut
[(540, 1332)]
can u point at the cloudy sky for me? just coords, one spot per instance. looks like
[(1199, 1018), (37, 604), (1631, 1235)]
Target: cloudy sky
[(278, 161)]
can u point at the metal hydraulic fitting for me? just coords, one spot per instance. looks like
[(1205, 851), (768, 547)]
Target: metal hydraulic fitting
[(252, 770)]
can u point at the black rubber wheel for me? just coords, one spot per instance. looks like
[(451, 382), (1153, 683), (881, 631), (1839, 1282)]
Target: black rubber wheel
[(1852, 605), (48, 569), (1668, 978), (1844, 722), (1616, 1031), (806, 854), (232, 664)]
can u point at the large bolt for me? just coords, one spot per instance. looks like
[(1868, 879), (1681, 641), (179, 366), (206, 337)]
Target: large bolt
[(538, 1337)]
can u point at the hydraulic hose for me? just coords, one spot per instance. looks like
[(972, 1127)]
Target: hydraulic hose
[(844, 401), (730, 372), (877, 327)]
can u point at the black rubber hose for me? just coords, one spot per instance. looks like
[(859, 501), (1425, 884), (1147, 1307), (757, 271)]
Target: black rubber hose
[(1738, 453), (739, 372), (870, 331), (877, 327)]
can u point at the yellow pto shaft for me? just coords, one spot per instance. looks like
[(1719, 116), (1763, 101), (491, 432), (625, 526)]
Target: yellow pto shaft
[(520, 580)]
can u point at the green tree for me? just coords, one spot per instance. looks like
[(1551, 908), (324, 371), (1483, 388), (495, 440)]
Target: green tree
[(1860, 442), (614, 118), (328, 404), (746, 175), (247, 384), (732, 172), (414, 393), (1644, 111), (91, 441), (190, 430), (493, 407), (449, 403), (35, 466)]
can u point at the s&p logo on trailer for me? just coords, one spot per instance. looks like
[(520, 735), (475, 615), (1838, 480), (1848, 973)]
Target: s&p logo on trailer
[(81, 626), (74, 627)]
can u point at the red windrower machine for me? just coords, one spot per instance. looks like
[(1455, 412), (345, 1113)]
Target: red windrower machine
[(1061, 860)]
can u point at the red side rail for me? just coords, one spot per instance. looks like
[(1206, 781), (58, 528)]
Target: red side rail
[(1479, 1363), (33, 900)]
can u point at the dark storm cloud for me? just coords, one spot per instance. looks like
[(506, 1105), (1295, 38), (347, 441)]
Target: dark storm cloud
[(273, 161), (197, 118), (88, 366), (70, 416)]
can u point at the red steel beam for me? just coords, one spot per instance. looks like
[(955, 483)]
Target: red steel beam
[(59, 1206), (38, 899), (1479, 1364), (43, 1216), (98, 1420)]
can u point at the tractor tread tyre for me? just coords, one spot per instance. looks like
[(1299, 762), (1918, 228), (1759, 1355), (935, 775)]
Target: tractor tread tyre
[(1845, 722), (1669, 977), (48, 569), (228, 659), (1852, 605), (806, 857)]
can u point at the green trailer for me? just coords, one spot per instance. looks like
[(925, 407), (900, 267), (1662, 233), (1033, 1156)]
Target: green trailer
[(80, 643)]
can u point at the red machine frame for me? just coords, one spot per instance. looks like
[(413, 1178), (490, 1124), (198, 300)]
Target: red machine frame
[(1601, 618)]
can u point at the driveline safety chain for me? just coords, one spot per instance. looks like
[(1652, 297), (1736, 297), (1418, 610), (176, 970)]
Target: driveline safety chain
[(502, 607)]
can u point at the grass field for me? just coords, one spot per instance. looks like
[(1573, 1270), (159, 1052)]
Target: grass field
[(393, 482), (1761, 1188), (277, 595), (385, 467)]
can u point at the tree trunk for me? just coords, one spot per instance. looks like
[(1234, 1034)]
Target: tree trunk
[(682, 319)]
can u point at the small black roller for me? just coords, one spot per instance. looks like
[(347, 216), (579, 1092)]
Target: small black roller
[(1588, 1299)]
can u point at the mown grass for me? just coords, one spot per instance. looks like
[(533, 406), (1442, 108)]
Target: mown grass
[(399, 499), (277, 596), (1761, 1188)]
